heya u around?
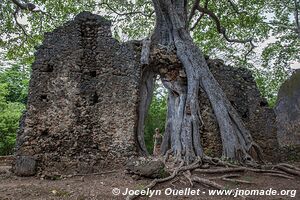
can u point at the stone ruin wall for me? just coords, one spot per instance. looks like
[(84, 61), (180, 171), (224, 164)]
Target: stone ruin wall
[(288, 111), (288, 117), (83, 98), (241, 90), (84, 92)]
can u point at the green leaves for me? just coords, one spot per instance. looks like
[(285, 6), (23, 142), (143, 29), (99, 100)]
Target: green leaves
[(9, 123), (13, 95), (135, 19), (272, 22), (20, 47), (16, 80), (156, 115)]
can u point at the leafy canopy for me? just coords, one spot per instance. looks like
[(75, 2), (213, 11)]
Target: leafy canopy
[(13, 93), (271, 25), (276, 21)]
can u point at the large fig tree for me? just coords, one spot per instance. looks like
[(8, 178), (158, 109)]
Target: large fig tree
[(174, 27), (182, 133)]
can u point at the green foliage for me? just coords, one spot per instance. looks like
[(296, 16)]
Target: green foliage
[(156, 115), (10, 114), (283, 50), (18, 45), (258, 19), (249, 22), (292, 153), (269, 82), (13, 92), (17, 79), (272, 22)]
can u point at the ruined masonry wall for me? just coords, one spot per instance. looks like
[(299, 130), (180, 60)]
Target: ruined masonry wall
[(84, 92), (241, 90), (288, 111), (82, 104)]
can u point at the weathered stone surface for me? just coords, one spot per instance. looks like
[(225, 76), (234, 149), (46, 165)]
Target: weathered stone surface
[(241, 90), (83, 97), (6, 160), (290, 153), (25, 166), (147, 168), (288, 111)]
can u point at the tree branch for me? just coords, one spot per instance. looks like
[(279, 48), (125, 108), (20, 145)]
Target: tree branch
[(222, 30), (26, 6), (197, 22), (235, 8), (193, 11), (213, 16), (281, 25), (29, 7), (17, 22), (296, 16)]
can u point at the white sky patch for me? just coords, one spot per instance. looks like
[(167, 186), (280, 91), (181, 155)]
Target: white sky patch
[(295, 65), (258, 50)]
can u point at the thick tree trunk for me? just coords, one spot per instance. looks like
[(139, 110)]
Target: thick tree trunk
[(182, 128), (146, 92)]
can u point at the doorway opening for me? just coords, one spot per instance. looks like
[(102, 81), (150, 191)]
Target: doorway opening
[(157, 113)]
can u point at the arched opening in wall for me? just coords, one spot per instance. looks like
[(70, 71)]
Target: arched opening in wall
[(156, 117)]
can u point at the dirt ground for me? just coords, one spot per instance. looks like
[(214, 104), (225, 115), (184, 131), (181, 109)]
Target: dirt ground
[(101, 186)]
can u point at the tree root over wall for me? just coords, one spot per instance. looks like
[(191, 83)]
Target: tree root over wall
[(203, 166)]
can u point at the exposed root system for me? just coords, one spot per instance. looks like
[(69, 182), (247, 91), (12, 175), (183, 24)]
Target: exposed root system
[(215, 166)]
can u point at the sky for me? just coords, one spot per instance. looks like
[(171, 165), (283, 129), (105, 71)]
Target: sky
[(272, 39), (258, 50)]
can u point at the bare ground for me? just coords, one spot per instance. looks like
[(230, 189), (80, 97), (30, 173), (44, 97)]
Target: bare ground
[(101, 186)]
